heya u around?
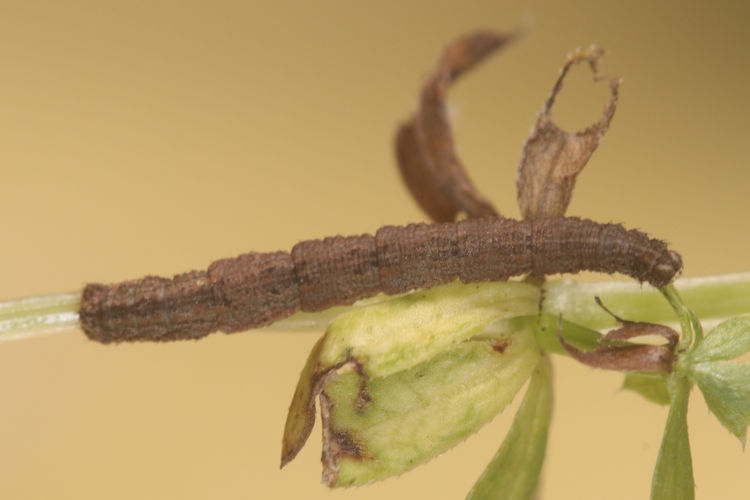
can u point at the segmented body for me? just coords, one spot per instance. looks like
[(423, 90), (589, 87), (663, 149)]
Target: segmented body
[(256, 289)]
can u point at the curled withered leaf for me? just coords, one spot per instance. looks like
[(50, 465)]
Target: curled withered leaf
[(629, 357), (552, 158), (424, 146), (633, 357), (422, 185), (631, 329)]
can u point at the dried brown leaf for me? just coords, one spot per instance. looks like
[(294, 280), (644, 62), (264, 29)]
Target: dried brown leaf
[(629, 357), (301, 417), (424, 146), (632, 329), (422, 184), (552, 158), (635, 357)]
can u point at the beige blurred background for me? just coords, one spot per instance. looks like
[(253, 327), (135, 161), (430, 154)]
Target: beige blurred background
[(154, 137)]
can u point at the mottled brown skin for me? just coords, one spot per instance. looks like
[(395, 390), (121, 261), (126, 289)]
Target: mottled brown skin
[(256, 289)]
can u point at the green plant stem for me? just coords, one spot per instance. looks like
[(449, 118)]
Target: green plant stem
[(713, 297), (691, 327), (34, 316)]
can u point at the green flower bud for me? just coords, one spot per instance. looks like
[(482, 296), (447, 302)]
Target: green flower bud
[(404, 380)]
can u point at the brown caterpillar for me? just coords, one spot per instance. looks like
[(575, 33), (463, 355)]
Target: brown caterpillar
[(256, 289)]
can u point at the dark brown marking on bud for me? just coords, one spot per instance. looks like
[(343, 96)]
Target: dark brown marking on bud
[(347, 445), (336, 443), (256, 289), (501, 345), (363, 395)]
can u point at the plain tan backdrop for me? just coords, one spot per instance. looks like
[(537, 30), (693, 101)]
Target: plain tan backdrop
[(154, 137)]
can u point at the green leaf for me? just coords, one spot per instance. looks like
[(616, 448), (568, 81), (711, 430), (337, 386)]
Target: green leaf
[(513, 473), (726, 389), (673, 474), (728, 340), (652, 386), (380, 427)]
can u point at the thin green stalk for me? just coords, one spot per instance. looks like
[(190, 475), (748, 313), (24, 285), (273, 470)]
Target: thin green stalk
[(34, 316), (711, 297), (691, 328)]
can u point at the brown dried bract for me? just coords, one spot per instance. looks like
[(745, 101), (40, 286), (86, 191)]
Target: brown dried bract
[(552, 158), (424, 146), (631, 329), (301, 417), (630, 357)]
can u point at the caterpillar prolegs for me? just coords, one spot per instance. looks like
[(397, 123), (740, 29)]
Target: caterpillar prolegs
[(256, 289)]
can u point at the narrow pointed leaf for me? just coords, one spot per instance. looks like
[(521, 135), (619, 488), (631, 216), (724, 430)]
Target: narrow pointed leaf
[(729, 340), (301, 417), (652, 386), (673, 475), (380, 427), (726, 388), (513, 473)]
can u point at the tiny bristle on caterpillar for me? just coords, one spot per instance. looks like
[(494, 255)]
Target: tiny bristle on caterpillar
[(256, 289)]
